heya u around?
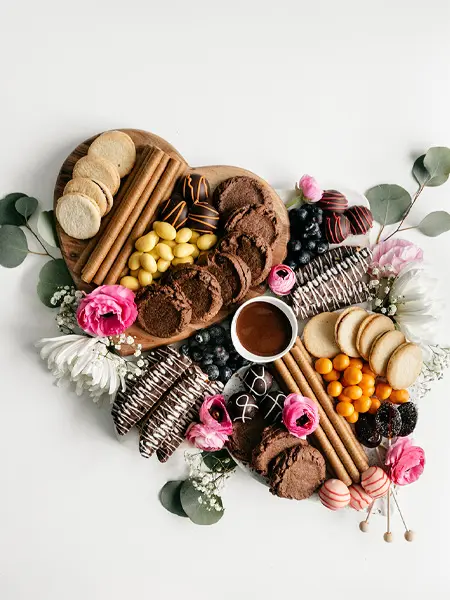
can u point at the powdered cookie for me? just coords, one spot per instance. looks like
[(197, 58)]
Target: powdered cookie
[(382, 350), (318, 335), (233, 275), (78, 215), (258, 219), (404, 366), (297, 472), (372, 329), (117, 147), (253, 250), (363, 325), (109, 196), (88, 188), (162, 311), (346, 329), (239, 192), (274, 441), (98, 169)]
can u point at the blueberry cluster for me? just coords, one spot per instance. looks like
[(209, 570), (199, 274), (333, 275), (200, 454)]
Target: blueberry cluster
[(213, 350), (307, 235)]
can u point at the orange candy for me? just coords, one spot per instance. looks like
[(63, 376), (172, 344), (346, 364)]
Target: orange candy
[(353, 392), (343, 398), (368, 391), (341, 362), (367, 370), (399, 396), (345, 409), (333, 375), (352, 375), (375, 405), (323, 365), (363, 404), (356, 362), (383, 391), (367, 381), (334, 388), (353, 417)]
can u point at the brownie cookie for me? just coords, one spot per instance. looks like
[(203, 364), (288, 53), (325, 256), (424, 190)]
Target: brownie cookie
[(297, 472), (255, 218), (233, 275), (201, 289), (238, 192), (163, 311), (253, 250), (274, 441), (245, 437)]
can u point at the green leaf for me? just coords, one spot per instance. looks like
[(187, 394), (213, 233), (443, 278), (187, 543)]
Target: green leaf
[(13, 246), (169, 497), (388, 203), (46, 228), (435, 223), (26, 206), (8, 212), (198, 511), (219, 461), (419, 171), (437, 163), (53, 275)]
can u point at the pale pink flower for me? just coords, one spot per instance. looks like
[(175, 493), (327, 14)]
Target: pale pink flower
[(310, 189), (300, 415), (405, 462), (392, 256), (206, 438), (214, 415), (108, 310)]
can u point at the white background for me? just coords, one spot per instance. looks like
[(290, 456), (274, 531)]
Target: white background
[(348, 91)]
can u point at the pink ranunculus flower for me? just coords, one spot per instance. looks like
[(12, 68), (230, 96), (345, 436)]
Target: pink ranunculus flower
[(214, 415), (392, 256), (300, 415), (206, 438), (405, 462), (310, 189), (108, 310)]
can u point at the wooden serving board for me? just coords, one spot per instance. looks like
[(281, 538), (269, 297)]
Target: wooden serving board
[(72, 248)]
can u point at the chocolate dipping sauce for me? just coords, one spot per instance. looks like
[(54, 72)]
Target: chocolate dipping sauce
[(263, 329)]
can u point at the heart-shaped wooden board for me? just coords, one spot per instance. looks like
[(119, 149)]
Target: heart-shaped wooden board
[(72, 248)]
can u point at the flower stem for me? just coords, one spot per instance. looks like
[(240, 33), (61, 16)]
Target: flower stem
[(47, 253), (37, 253), (414, 200), (408, 228), (379, 234)]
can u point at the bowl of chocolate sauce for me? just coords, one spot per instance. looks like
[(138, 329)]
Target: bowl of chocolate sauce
[(264, 329)]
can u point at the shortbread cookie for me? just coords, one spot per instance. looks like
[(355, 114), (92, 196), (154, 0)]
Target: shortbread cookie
[(404, 366), (117, 147), (98, 169), (78, 215), (318, 335), (109, 196), (88, 188), (382, 350), (373, 328), (346, 329), (363, 325)]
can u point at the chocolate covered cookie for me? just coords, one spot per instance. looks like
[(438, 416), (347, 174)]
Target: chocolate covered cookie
[(239, 192), (274, 441), (163, 311), (255, 218), (233, 275), (296, 473), (253, 250)]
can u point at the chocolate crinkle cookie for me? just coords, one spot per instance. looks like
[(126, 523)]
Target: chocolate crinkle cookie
[(239, 192), (245, 437), (274, 441), (296, 473), (253, 250), (255, 218), (162, 311), (233, 275)]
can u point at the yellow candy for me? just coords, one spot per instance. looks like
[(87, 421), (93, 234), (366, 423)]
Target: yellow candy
[(130, 282), (145, 278), (134, 272), (166, 231), (147, 242), (206, 241), (195, 253), (183, 235), (134, 261), (164, 251), (194, 237), (148, 263), (163, 265), (182, 261), (171, 243), (183, 250), (154, 253)]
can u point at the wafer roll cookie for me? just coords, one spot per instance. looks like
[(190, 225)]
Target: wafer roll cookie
[(319, 434), (348, 438), (84, 256)]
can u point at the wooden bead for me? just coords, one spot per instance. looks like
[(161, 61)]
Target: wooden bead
[(364, 526), (388, 537), (409, 535)]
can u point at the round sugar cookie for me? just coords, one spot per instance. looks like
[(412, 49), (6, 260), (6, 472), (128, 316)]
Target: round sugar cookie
[(382, 350), (98, 169), (117, 147), (370, 317), (346, 330), (108, 195), (379, 324), (88, 188), (78, 215), (404, 366), (318, 335)]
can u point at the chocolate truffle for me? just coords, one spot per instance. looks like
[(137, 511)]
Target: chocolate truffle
[(203, 218), (174, 210), (271, 406), (361, 219), (195, 188), (258, 380), (242, 407), (337, 228), (333, 201)]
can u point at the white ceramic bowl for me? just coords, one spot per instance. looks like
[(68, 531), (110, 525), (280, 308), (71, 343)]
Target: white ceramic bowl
[(287, 310)]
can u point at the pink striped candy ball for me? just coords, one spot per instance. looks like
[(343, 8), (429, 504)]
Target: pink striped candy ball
[(375, 482), (334, 494), (359, 499)]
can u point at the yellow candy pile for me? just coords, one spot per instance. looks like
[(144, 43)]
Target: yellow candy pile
[(162, 247)]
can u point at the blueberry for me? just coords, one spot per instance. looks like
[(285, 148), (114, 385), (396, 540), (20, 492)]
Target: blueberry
[(196, 355), (316, 210), (220, 351), (217, 333), (202, 337), (208, 356), (205, 363), (233, 364), (225, 373), (322, 247), (301, 213), (304, 257), (185, 350), (213, 372), (291, 263), (310, 245), (222, 360), (294, 246), (313, 232)]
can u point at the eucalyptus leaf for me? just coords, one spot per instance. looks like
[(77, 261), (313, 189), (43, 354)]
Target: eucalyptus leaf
[(8, 212), (437, 163), (46, 228), (26, 206), (13, 246), (199, 513), (388, 203), (435, 223), (419, 171), (219, 461), (54, 274), (170, 498)]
